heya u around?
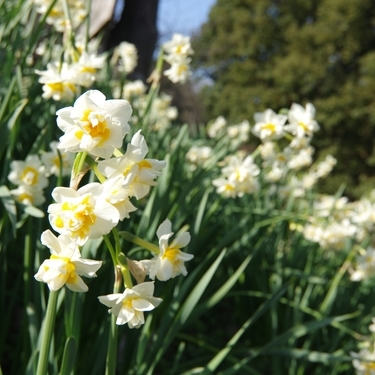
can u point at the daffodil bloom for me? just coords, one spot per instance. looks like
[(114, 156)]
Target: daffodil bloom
[(58, 82), (30, 172), (82, 214), (178, 46), (129, 56), (301, 120), (269, 125), (118, 196), (364, 361), (56, 158), (225, 188), (179, 70), (129, 306), (169, 263), (216, 128), (86, 68), (94, 124), (139, 173), (28, 195), (65, 266)]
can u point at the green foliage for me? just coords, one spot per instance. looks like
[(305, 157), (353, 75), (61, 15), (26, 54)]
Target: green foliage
[(269, 54)]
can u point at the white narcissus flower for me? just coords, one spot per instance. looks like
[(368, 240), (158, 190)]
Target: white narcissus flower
[(82, 214), (139, 173), (94, 124), (129, 56), (225, 188), (86, 68), (269, 125), (52, 160), (178, 46), (216, 128), (30, 172), (130, 305), (65, 266), (364, 361), (28, 195), (301, 120), (365, 265), (58, 82), (179, 70), (118, 196), (169, 263)]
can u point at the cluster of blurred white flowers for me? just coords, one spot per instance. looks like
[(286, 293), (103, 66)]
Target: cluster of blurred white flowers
[(284, 150), (94, 128), (177, 53), (364, 361), (31, 175)]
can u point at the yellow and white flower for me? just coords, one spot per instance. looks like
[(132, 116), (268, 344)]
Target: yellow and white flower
[(94, 124), (129, 306), (269, 125), (301, 120), (82, 214), (138, 173), (58, 81), (65, 266), (28, 195), (56, 158), (30, 172), (128, 55), (169, 263)]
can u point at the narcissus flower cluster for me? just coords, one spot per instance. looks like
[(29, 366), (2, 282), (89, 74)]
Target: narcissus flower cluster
[(94, 128)]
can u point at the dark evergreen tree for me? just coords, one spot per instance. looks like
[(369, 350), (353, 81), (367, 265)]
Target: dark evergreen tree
[(270, 53)]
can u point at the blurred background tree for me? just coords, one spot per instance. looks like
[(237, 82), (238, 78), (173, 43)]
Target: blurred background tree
[(270, 53)]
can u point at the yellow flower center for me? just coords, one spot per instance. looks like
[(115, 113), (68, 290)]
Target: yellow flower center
[(68, 269), (88, 69), (270, 127), (77, 218), (30, 176), (303, 126), (25, 198), (142, 164), (171, 254), (96, 126)]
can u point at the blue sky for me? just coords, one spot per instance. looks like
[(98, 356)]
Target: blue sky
[(182, 16)]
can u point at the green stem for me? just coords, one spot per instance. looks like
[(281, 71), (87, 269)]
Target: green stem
[(110, 368), (111, 250), (138, 241), (47, 334), (91, 162), (122, 261)]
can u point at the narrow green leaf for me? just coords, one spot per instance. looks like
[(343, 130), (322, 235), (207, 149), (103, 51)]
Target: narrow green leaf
[(69, 356)]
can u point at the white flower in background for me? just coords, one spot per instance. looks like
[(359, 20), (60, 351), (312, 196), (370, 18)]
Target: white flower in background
[(56, 158), (267, 151), (177, 52), (372, 325), (129, 306), (328, 205), (197, 155), (299, 143), (324, 168), (128, 55), (275, 174), (82, 214), (133, 89), (269, 125), (178, 46), (363, 213), (30, 172), (364, 361), (216, 128), (301, 160), (58, 81), (84, 71), (94, 124), (118, 196), (225, 188), (301, 120), (162, 112), (239, 170), (65, 266), (239, 132), (56, 17), (365, 265), (28, 195), (138, 173), (169, 263), (179, 70)]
